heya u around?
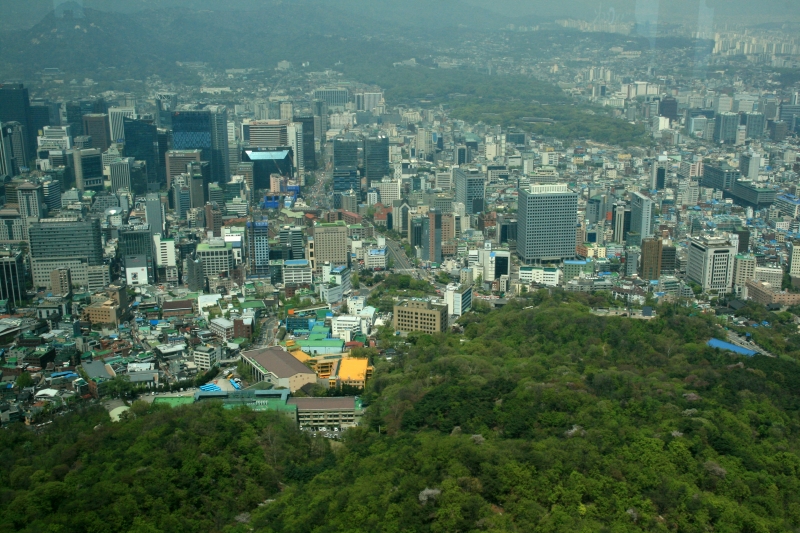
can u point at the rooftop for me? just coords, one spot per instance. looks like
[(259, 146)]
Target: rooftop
[(277, 361)]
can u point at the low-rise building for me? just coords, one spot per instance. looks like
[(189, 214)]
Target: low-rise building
[(327, 413), (222, 328), (420, 315), (279, 368), (766, 294)]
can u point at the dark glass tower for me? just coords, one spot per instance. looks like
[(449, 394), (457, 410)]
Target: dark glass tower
[(15, 106), (376, 158), (205, 130), (309, 153), (141, 143), (345, 152)]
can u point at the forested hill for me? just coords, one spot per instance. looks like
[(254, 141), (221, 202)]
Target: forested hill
[(539, 417)]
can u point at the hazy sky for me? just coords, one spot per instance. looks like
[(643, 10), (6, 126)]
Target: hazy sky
[(25, 13)]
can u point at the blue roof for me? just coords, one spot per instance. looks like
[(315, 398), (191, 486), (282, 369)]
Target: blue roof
[(295, 262), (722, 345)]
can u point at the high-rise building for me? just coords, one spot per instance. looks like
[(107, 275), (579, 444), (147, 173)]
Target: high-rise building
[(794, 258), (199, 177), (220, 162), (266, 133), (181, 196), (755, 125), (286, 111), (97, 126), (8, 166), (329, 244), (88, 169), (21, 157), (725, 127), (668, 107), (55, 138), (166, 258), (642, 215), (43, 113), (470, 188), (346, 179), (368, 101), (258, 248), (345, 152), (206, 130), (12, 277), (141, 143), (744, 269), (176, 161), (650, 267), (136, 248), (432, 238), (30, 198), (65, 243), (166, 103), (309, 149), (292, 236), (120, 171), (51, 191), (154, 212), (60, 281), (546, 221), (15, 106), (333, 97), (749, 165), (710, 263), (213, 219), (116, 115), (376, 158), (720, 176), (295, 133)]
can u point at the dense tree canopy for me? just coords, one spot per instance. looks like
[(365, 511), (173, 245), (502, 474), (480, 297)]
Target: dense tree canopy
[(540, 417)]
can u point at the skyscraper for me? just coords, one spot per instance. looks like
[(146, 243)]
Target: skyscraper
[(141, 143), (266, 133), (120, 173), (166, 103), (213, 219), (309, 149), (710, 264), (12, 277), (96, 126), (206, 130), (642, 215), (345, 152), (199, 176), (30, 198), (88, 169), (546, 222), (65, 243), (154, 211), (650, 267), (15, 106), (755, 125), (258, 248), (116, 124), (176, 161), (725, 127), (7, 163), (220, 165), (470, 188), (181, 196), (376, 158)]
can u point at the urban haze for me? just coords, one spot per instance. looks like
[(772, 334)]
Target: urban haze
[(422, 266)]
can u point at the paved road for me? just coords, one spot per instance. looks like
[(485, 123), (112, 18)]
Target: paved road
[(733, 338), (398, 255)]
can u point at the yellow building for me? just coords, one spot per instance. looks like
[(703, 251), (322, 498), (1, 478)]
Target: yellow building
[(352, 371)]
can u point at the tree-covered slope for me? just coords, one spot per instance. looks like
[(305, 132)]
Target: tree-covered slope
[(540, 417)]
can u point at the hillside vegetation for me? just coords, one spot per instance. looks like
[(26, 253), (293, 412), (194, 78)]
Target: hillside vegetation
[(539, 417)]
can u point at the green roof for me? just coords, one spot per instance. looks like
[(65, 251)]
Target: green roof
[(253, 304), (327, 343)]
